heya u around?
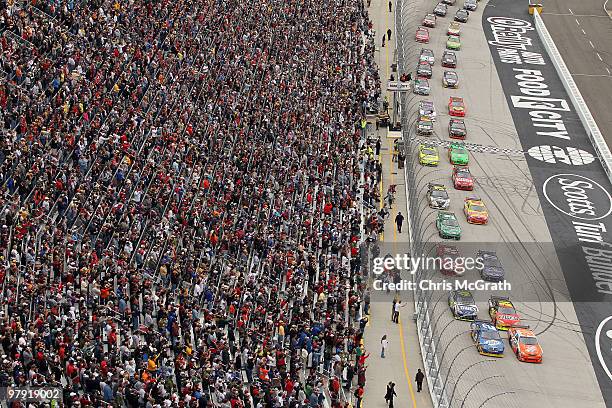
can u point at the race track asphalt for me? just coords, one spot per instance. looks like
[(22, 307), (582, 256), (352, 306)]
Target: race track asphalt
[(582, 31), (517, 231)]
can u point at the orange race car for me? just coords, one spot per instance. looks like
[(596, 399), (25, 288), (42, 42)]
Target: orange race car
[(524, 344), (475, 211), (456, 106)]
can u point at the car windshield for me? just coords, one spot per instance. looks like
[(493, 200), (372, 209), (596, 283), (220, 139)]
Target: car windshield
[(506, 310), (450, 75), (453, 39), (463, 173), (465, 299), (426, 123), (460, 151), (489, 335), (430, 152), (529, 341), (457, 104), (439, 193), (478, 208), (458, 126), (450, 222), (492, 261)]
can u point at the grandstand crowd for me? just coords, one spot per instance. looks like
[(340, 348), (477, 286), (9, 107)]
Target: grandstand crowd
[(182, 200)]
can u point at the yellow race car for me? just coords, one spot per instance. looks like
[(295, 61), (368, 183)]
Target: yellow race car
[(475, 211), (428, 155)]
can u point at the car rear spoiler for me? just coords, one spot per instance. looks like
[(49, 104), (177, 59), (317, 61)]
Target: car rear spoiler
[(432, 185), (518, 326)]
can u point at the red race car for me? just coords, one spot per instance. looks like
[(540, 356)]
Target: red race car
[(422, 35), (448, 255), (456, 107), (462, 178)]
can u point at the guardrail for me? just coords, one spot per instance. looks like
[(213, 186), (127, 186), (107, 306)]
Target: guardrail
[(592, 130)]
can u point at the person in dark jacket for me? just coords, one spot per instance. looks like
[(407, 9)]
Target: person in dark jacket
[(419, 380), (390, 394)]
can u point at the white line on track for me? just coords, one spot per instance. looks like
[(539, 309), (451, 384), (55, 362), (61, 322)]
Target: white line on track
[(577, 22), (608, 69), (583, 32), (571, 12), (599, 56), (592, 75), (606, 9), (578, 15), (592, 46)]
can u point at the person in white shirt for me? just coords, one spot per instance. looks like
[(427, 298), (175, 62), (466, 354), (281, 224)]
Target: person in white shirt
[(384, 343)]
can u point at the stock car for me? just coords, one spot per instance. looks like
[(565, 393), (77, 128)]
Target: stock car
[(427, 108), (491, 268), (428, 155), (447, 225), (449, 2), (450, 79), (462, 16), (427, 55), (429, 20), (454, 28), (487, 339), (423, 70), (421, 86), (475, 211), (440, 10), (525, 344), (453, 42), (437, 196), (502, 312), (449, 255), (457, 129), (449, 59), (470, 5), (458, 154), (462, 178), (462, 305), (456, 106), (424, 126), (422, 35)]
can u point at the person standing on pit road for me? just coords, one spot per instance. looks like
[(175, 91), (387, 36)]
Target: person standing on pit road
[(390, 394), (390, 6), (378, 144), (384, 343), (389, 34), (419, 380), (399, 220), (396, 311)]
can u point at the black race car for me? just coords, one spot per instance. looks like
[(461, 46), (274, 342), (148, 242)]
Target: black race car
[(492, 269), (457, 129), (462, 16), (440, 10), (449, 59)]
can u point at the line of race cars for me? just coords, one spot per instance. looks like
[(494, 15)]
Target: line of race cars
[(503, 315), (474, 209)]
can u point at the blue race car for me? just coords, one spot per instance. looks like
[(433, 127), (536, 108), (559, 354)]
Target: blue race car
[(487, 339)]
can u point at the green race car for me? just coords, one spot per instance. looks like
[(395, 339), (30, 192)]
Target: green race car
[(453, 42), (428, 155), (447, 225), (458, 154)]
